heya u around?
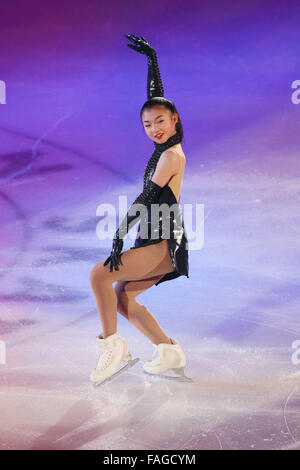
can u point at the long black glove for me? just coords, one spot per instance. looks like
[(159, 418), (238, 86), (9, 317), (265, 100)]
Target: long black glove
[(146, 198), (154, 83)]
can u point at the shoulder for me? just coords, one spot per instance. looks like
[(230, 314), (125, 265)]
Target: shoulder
[(171, 158), (167, 166)]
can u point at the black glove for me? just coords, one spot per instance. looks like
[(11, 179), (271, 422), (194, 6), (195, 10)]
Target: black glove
[(154, 83), (145, 198), (114, 259)]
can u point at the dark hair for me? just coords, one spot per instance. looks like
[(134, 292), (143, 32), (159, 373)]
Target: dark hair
[(162, 101)]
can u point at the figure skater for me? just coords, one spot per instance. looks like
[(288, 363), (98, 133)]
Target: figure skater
[(159, 256)]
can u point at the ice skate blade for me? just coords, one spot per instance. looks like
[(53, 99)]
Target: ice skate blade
[(129, 364), (179, 378)]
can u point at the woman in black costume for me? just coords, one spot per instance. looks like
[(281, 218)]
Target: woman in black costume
[(160, 252)]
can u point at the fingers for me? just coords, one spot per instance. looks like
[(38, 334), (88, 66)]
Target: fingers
[(112, 266), (137, 42), (111, 263), (106, 261), (117, 261), (135, 48), (131, 37), (114, 260), (114, 263)]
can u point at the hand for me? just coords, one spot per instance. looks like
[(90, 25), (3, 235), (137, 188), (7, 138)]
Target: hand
[(140, 45), (114, 259)]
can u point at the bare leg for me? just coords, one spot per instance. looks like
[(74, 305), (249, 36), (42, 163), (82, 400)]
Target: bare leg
[(137, 313), (138, 264)]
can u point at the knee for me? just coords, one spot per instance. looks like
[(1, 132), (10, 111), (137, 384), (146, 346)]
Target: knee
[(98, 274)]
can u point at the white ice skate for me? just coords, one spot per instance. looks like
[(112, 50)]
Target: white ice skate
[(114, 350), (169, 357)]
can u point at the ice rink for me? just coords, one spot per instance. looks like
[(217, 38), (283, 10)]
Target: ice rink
[(70, 140)]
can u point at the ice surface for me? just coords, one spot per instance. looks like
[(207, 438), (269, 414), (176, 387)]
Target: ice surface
[(69, 137)]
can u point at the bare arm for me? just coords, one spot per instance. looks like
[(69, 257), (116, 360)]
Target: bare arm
[(167, 166)]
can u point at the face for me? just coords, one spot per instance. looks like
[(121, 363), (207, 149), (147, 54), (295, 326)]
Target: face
[(159, 123)]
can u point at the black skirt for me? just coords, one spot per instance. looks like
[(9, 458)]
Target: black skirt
[(168, 225)]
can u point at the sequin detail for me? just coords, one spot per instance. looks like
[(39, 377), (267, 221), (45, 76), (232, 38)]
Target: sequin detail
[(177, 239)]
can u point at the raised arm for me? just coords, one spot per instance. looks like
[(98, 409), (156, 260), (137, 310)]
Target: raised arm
[(154, 83)]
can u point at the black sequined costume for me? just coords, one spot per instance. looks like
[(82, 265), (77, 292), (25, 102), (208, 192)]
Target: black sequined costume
[(169, 224), (170, 220)]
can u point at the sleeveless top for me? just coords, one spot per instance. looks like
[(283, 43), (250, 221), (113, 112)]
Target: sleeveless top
[(167, 220)]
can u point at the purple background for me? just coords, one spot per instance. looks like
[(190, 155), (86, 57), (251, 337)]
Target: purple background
[(70, 139)]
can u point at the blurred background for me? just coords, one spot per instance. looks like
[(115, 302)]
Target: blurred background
[(71, 139)]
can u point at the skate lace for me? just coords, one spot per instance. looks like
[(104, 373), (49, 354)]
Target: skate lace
[(104, 359), (156, 356)]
